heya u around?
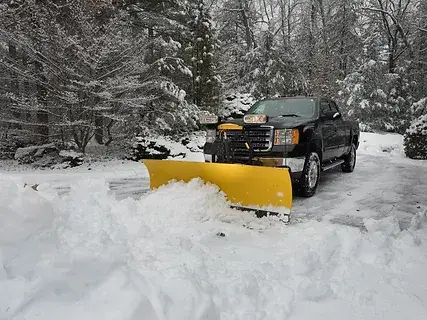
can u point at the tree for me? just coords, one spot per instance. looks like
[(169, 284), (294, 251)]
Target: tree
[(95, 70), (206, 83), (394, 14), (419, 69)]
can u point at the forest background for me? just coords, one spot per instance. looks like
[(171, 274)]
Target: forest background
[(110, 71)]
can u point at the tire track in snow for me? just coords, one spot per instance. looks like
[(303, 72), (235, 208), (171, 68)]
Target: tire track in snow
[(379, 187)]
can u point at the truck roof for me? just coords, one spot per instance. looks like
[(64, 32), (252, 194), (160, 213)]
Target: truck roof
[(294, 97)]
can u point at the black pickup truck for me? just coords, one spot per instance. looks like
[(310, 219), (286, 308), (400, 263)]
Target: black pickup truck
[(308, 135)]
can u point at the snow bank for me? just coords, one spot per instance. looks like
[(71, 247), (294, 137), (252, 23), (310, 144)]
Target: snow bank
[(22, 213), (181, 253), (159, 147), (33, 150), (377, 143)]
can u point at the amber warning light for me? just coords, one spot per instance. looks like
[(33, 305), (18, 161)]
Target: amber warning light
[(255, 118)]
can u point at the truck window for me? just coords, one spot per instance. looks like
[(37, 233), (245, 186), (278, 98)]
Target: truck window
[(282, 107), (333, 106), (324, 107)]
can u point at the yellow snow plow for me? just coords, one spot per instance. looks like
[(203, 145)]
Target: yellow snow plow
[(265, 190)]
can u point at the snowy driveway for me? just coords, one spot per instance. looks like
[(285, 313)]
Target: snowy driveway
[(380, 186)]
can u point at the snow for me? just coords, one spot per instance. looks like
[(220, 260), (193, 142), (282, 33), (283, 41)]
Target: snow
[(189, 152), (236, 104), (381, 94), (378, 144), (195, 145), (70, 154), (24, 152), (420, 107), (180, 252), (364, 104), (419, 126)]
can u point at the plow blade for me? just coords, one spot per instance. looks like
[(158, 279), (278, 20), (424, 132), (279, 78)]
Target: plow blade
[(258, 188)]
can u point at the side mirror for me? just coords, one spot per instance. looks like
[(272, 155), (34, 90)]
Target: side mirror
[(331, 115), (336, 115)]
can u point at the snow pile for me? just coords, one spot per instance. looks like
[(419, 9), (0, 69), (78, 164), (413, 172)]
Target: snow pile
[(28, 154), (181, 253), (377, 143), (161, 147), (70, 154), (48, 155), (413, 145), (195, 141), (22, 214)]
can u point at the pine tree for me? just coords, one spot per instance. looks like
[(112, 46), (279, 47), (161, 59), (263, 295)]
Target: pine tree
[(206, 83)]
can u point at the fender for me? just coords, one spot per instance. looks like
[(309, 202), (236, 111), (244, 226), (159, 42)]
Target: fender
[(313, 139)]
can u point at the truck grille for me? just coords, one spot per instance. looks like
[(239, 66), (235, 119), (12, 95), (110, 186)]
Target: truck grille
[(261, 139)]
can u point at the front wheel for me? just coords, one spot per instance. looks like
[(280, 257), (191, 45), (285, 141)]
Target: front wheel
[(349, 160), (310, 175)]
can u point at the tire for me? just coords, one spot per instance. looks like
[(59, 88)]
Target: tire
[(310, 175), (349, 160)]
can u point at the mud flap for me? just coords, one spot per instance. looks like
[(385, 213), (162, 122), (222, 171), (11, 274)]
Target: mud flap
[(263, 189)]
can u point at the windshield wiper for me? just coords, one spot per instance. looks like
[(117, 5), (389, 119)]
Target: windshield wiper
[(290, 115)]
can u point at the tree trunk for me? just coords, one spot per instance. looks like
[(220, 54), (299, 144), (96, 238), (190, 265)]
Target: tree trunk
[(99, 131), (324, 28), (245, 21), (42, 114), (14, 88), (311, 39), (342, 50), (151, 39), (26, 85)]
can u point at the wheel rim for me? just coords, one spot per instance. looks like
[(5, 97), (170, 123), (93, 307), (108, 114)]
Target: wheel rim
[(313, 174)]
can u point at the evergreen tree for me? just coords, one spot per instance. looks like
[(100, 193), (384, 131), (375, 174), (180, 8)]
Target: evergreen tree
[(206, 83)]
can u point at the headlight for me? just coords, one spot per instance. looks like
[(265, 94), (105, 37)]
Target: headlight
[(286, 136), (210, 136)]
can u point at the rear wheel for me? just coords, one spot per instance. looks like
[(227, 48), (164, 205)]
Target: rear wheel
[(349, 160), (310, 175)]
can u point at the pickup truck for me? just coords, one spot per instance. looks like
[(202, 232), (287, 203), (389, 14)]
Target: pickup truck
[(308, 135)]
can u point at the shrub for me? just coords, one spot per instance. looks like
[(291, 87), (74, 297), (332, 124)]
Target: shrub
[(415, 141)]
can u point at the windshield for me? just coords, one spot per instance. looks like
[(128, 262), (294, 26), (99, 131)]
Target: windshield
[(284, 107)]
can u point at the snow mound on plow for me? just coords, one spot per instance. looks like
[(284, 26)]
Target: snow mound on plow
[(182, 253)]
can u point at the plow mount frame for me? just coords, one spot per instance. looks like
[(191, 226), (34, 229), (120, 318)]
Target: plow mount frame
[(265, 213)]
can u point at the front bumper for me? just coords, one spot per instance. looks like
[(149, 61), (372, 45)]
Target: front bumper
[(295, 165), (289, 156)]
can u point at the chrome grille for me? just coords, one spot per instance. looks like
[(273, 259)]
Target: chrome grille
[(260, 138)]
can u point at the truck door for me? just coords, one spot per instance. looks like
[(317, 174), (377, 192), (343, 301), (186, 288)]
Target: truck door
[(342, 133), (328, 131)]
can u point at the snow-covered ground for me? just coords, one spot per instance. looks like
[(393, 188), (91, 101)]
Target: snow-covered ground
[(96, 244)]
